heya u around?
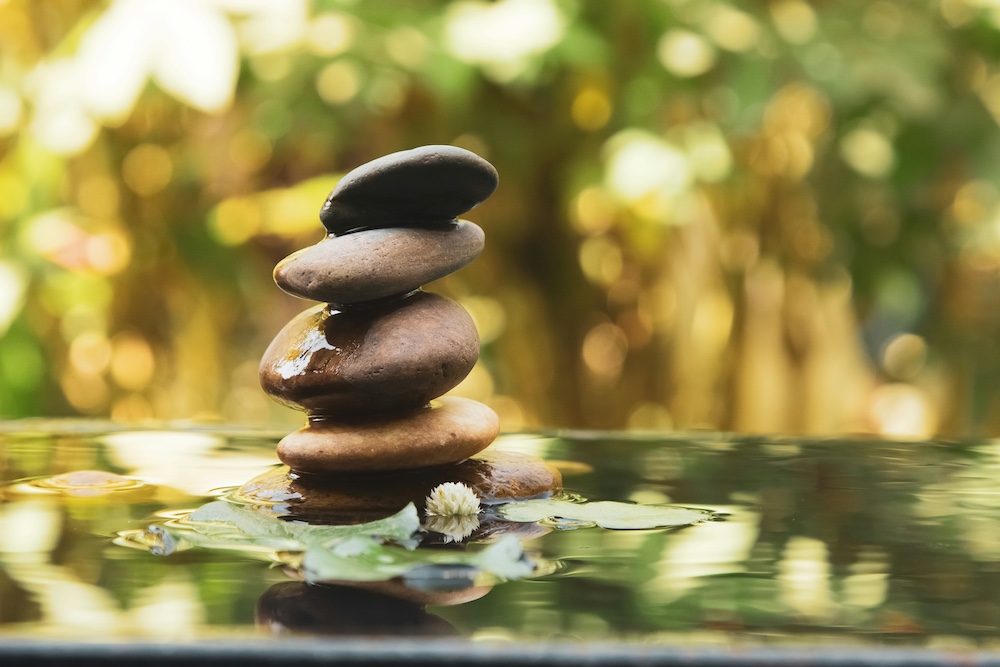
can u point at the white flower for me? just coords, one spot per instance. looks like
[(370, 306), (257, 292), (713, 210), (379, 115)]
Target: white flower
[(452, 499)]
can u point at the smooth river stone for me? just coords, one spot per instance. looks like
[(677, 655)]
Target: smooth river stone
[(426, 185), (374, 358), (377, 263), (494, 474), (449, 430)]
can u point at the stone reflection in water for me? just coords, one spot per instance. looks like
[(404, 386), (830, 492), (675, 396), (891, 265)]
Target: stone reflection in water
[(295, 607)]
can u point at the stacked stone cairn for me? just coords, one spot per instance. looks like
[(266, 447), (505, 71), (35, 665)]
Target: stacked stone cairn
[(371, 363)]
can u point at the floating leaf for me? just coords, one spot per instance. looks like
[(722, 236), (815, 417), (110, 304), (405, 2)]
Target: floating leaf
[(224, 525), (222, 517), (606, 514), (398, 528), (373, 551)]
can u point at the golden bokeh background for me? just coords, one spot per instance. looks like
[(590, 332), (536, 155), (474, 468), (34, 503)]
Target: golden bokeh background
[(775, 216)]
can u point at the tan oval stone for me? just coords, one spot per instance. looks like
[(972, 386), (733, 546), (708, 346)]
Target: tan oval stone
[(495, 476), (379, 358), (449, 430), (377, 263)]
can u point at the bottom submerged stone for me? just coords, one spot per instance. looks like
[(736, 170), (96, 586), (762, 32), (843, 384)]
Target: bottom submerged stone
[(451, 429), (495, 476), (370, 609)]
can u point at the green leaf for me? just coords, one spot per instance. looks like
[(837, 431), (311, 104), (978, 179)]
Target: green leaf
[(606, 514), (398, 528), (223, 525), (373, 551)]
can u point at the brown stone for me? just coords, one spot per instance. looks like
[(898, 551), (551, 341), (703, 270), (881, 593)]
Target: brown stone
[(495, 476), (450, 429), (377, 263), (386, 357)]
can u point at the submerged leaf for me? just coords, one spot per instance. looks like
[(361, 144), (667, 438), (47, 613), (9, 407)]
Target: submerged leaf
[(359, 559), (606, 514)]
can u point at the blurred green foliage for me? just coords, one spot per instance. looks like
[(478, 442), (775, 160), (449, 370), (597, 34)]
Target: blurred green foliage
[(765, 216)]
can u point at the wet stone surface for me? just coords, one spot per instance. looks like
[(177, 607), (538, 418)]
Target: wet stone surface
[(449, 429), (374, 359)]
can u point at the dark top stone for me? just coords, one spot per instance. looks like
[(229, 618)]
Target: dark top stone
[(414, 188)]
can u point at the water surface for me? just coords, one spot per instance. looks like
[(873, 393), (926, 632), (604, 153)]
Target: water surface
[(856, 542)]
